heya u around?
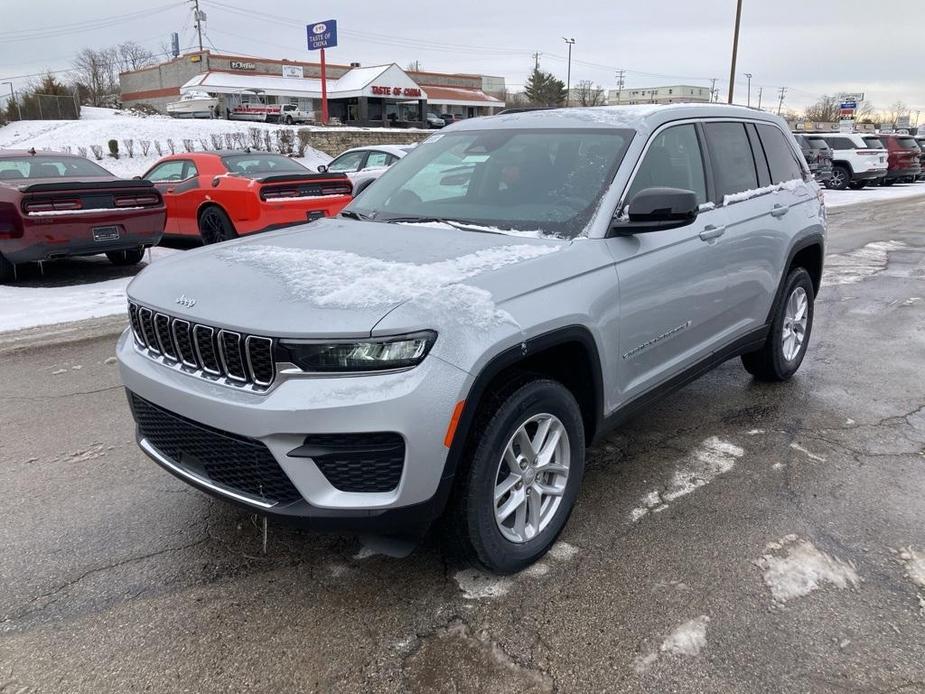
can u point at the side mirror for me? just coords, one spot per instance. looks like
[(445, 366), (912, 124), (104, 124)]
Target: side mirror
[(322, 168), (136, 178), (657, 209)]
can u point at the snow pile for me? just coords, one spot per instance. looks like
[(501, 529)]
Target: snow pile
[(915, 571), (340, 279), (687, 639), (99, 125), (30, 306), (755, 192), (802, 569), (843, 198), (476, 585), (859, 264), (708, 461)]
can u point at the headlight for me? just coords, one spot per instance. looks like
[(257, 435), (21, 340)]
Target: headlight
[(375, 354)]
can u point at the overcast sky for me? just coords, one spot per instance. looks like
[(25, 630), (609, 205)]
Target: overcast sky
[(812, 47)]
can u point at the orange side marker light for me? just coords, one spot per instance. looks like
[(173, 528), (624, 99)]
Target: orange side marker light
[(454, 422)]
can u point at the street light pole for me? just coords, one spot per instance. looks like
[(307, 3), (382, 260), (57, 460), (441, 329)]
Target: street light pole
[(13, 99), (749, 76), (735, 51), (568, 79)]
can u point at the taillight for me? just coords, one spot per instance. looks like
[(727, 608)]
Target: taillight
[(280, 193), (10, 221), (52, 205), (136, 201)]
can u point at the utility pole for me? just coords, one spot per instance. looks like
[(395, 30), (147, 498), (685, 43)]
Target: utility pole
[(536, 60), (760, 89), (620, 86), (780, 104), (735, 51), (568, 79), (748, 76), (13, 101), (197, 19), (713, 89)]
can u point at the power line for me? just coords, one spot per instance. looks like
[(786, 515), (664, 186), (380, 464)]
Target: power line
[(82, 27)]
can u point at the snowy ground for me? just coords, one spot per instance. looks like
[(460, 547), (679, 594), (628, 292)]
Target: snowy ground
[(99, 125), (840, 198), (45, 300)]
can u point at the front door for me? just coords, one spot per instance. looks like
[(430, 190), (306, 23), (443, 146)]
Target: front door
[(176, 179), (671, 283)]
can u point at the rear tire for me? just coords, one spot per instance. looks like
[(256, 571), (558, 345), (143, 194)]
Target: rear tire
[(7, 270), (132, 256), (214, 226), (841, 177), (540, 485), (857, 185), (783, 351)]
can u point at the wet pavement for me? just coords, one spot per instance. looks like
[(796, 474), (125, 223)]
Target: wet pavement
[(735, 537)]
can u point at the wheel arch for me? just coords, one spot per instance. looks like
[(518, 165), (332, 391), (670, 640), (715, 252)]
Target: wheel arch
[(807, 252), (844, 163), (568, 355)]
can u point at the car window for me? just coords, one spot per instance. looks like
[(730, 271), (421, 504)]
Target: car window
[(817, 143), (874, 143), (257, 164), (841, 143), (673, 160), (347, 162), (781, 159), (377, 159), (731, 153), (906, 143), (12, 168), (173, 170)]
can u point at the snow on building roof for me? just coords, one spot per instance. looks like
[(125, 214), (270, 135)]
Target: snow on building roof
[(459, 96), (359, 77)]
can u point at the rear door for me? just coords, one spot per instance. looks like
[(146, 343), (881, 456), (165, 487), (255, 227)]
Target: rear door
[(671, 283)]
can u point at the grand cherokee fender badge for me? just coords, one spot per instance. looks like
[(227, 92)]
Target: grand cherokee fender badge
[(664, 336), (184, 300)]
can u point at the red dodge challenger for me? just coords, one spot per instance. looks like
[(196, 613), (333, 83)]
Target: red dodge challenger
[(220, 195), (58, 205)]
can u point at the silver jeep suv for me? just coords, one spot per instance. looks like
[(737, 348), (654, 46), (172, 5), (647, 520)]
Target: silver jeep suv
[(450, 344)]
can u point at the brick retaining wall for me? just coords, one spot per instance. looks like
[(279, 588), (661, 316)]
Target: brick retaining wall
[(335, 141)]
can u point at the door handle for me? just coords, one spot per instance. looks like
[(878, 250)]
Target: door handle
[(711, 231), (779, 210)]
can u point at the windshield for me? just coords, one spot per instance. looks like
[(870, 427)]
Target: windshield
[(527, 180), (817, 143), (257, 164), (14, 168), (874, 143)]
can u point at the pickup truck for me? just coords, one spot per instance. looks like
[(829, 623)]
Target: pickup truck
[(290, 113)]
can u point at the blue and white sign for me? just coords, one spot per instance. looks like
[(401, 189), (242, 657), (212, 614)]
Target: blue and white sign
[(849, 105), (322, 35)]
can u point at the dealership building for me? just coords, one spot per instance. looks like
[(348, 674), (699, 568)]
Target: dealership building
[(357, 95)]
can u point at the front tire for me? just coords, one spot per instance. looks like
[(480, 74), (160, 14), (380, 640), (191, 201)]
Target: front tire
[(132, 256), (517, 492), (784, 349), (215, 227)]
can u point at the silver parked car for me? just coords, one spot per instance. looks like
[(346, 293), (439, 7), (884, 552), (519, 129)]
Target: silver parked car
[(453, 341), (362, 164)]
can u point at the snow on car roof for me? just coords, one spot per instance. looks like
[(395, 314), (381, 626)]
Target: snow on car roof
[(638, 117)]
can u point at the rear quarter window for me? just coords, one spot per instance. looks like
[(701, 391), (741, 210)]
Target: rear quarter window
[(731, 153), (781, 159)]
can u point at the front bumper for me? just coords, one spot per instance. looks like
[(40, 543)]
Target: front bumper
[(416, 404)]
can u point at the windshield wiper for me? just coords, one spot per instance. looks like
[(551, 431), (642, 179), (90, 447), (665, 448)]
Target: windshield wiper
[(455, 223), (359, 216)]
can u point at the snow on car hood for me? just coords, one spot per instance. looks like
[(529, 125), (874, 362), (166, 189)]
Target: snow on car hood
[(340, 277)]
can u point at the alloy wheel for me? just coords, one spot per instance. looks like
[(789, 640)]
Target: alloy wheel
[(531, 478), (794, 327)]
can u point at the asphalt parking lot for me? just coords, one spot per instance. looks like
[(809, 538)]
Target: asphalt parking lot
[(735, 537)]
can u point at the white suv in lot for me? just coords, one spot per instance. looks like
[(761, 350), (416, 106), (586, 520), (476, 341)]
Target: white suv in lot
[(855, 163), (502, 297)]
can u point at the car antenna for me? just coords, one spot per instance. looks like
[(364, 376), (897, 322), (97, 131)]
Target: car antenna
[(32, 151)]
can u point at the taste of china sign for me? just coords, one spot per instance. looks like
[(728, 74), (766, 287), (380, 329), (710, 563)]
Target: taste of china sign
[(395, 91)]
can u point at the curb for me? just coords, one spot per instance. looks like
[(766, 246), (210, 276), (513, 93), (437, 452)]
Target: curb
[(62, 333)]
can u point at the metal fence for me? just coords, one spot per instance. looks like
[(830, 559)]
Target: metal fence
[(35, 106)]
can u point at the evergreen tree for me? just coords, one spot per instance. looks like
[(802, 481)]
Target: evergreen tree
[(544, 89)]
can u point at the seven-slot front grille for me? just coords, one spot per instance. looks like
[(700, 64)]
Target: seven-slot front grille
[(241, 359), (235, 462)]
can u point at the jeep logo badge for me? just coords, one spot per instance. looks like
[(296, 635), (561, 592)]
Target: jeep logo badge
[(184, 300)]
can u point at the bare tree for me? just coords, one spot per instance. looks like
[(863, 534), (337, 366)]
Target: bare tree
[(414, 66), (825, 110), (96, 75), (590, 94), (895, 112), (132, 56)]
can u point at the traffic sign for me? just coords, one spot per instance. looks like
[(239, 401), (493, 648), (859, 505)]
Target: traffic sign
[(322, 35)]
